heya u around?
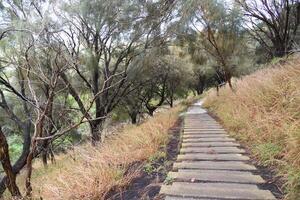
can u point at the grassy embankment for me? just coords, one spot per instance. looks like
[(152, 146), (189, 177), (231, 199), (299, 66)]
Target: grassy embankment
[(264, 113), (91, 172)]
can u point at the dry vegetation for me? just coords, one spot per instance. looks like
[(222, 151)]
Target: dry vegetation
[(91, 172), (264, 113)]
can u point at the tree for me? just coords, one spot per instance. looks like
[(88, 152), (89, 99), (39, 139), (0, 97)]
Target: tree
[(274, 24), (215, 30), (177, 83), (38, 58), (103, 44), (157, 77), (23, 123)]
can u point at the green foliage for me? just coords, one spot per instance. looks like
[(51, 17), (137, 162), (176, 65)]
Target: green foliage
[(292, 185), (63, 143), (267, 152), (119, 114), (15, 146), (169, 180), (156, 164), (119, 174), (216, 42)]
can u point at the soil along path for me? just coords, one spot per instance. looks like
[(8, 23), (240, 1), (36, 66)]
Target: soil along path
[(211, 165)]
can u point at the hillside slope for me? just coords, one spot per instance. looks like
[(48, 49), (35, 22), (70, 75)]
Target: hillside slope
[(264, 113), (87, 172)]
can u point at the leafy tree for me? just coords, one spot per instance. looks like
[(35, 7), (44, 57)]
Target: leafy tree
[(216, 31), (104, 43)]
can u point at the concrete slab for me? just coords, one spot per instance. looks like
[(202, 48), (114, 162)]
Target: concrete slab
[(211, 150), (216, 191), (211, 144), (215, 157), (204, 130), (212, 165), (216, 139), (216, 135), (214, 176)]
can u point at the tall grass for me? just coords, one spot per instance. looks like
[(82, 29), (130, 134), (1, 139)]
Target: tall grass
[(264, 113), (90, 172)]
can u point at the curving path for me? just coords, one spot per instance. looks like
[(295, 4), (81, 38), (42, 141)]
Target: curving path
[(211, 165)]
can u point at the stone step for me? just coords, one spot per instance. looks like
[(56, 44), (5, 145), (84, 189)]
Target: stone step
[(217, 139), (211, 150), (211, 144), (193, 123), (205, 129), (181, 198), (216, 135), (185, 198), (199, 116), (215, 176), (202, 127), (213, 165), (196, 121), (210, 165), (201, 123), (214, 157), (202, 132), (189, 191)]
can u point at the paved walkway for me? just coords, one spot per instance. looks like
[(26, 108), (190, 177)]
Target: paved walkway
[(211, 165)]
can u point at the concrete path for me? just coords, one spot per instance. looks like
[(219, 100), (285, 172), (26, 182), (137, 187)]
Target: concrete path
[(211, 165)]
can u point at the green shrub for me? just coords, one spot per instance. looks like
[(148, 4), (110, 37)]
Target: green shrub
[(267, 153)]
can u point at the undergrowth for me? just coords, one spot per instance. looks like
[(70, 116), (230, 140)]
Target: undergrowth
[(89, 172), (264, 113)]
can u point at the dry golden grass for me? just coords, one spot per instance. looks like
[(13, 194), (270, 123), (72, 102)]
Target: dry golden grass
[(90, 172), (264, 113)]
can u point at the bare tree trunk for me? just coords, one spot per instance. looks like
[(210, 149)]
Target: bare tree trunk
[(96, 128), (194, 93), (21, 162), (5, 161), (151, 111), (44, 153), (230, 84), (38, 129), (172, 101), (52, 157), (228, 78), (200, 85), (45, 143), (29, 171), (133, 117), (200, 90), (44, 158)]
